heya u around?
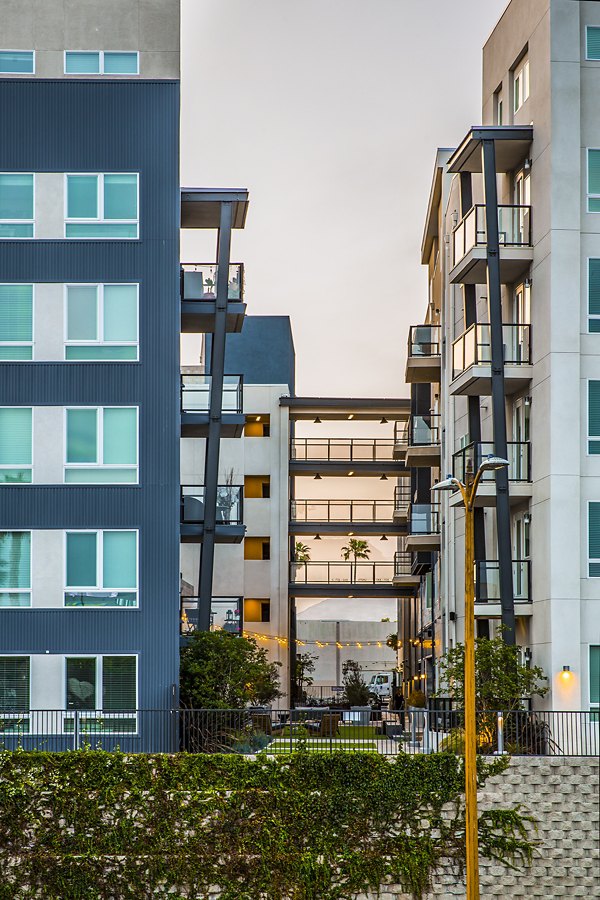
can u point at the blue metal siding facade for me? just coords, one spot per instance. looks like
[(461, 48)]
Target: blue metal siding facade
[(104, 126), (263, 352)]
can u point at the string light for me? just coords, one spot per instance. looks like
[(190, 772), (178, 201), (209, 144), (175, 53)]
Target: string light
[(284, 642)]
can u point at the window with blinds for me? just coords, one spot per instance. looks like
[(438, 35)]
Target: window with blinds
[(119, 683), (102, 322), (594, 296), (101, 62), (594, 540), (102, 206), (592, 42), (593, 180), (16, 444), (101, 445), (106, 683), (594, 417), (101, 569), (14, 684), (15, 568), (16, 205), (81, 681), (16, 321)]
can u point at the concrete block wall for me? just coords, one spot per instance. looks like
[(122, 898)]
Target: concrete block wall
[(562, 793)]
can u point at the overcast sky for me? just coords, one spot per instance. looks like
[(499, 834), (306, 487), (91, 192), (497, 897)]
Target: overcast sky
[(330, 112)]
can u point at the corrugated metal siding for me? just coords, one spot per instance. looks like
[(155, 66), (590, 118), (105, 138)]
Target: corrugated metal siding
[(62, 126)]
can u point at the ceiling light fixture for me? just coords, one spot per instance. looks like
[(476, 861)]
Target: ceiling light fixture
[(317, 477), (317, 421)]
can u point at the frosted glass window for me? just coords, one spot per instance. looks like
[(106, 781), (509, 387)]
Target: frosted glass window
[(120, 196), (15, 568), (102, 322), (102, 445), (120, 436), (81, 559), (15, 445), (120, 563), (16, 205), (109, 62), (16, 321), (82, 313), (82, 63), (120, 63), (110, 200), (82, 436), (82, 196), (101, 569), (16, 62)]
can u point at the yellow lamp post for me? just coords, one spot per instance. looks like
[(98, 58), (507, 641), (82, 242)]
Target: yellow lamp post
[(468, 491)]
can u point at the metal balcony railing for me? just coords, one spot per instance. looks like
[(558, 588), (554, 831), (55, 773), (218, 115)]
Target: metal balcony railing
[(350, 572), (401, 433), (474, 347), (230, 504), (424, 431), (402, 495), (225, 614), (487, 581), (330, 511), (199, 282), (514, 226), (351, 450), (196, 390), (402, 563), (424, 518), (469, 458), (424, 341)]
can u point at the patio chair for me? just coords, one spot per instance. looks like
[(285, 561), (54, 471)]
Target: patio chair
[(262, 722), (327, 726)]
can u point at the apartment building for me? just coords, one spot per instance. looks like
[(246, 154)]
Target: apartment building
[(507, 360)]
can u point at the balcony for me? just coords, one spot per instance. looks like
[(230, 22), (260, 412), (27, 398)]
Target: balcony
[(470, 458), (195, 405), (423, 528), (424, 441), (424, 358), (342, 579), (343, 456), (487, 588), (225, 615), (198, 287), (344, 517), (400, 439), (469, 245), (472, 360), (229, 528), (403, 571), (401, 502)]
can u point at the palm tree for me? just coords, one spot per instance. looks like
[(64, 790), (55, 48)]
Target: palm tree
[(358, 550)]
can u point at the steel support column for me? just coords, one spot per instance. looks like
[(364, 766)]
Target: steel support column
[(498, 396), (213, 441)]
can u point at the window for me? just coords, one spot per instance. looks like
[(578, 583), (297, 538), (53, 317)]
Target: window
[(592, 42), (595, 674), (101, 569), (14, 685), (16, 205), (16, 445), (15, 568), (257, 426), (593, 180), (257, 487), (16, 62), (102, 322), (594, 540), (257, 610), (16, 321), (594, 296), (102, 206), (521, 85), (257, 548), (593, 417), (101, 63), (101, 445), (107, 683)]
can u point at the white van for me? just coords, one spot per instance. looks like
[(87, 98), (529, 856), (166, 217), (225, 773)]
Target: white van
[(381, 685)]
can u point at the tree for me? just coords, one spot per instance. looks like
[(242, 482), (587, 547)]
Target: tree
[(356, 692), (358, 550), (305, 666), (222, 671)]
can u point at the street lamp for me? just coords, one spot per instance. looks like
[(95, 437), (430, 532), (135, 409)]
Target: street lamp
[(468, 491)]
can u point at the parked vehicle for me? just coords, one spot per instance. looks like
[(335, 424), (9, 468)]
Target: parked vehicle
[(381, 686)]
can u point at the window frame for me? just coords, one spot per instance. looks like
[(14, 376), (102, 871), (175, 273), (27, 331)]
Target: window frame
[(589, 58), (28, 467), (590, 559), (100, 342), (9, 50), (30, 343), (28, 590), (590, 316), (100, 446), (32, 221), (590, 437), (101, 71), (99, 219), (521, 78), (70, 589), (91, 713), (589, 196)]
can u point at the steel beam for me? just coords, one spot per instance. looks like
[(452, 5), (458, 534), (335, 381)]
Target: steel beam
[(498, 395)]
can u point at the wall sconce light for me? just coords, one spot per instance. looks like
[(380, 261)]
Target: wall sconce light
[(527, 401), (528, 282), (527, 165), (527, 518), (455, 218), (566, 673)]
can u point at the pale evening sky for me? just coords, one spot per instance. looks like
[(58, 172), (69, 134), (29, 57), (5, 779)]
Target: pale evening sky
[(330, 112)]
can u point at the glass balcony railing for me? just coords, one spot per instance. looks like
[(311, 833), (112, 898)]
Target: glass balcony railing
[(225, 614), (350, 572), (514, 228), (402, 563), (424, 431), (346, 511), (196, 389), (424, 518), (474, 347), (230, 504), (424, 341), (199, 282), (487, 581), (342, 450), (468, 459)]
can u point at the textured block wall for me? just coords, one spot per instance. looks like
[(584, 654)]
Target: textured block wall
[(563, 795)]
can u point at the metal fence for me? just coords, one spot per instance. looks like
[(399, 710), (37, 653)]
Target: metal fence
[(311, 728)]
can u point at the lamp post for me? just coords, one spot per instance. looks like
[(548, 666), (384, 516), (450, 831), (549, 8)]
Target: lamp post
[(468, 492)]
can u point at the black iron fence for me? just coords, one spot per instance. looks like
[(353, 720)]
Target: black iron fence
[(318, 728)]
